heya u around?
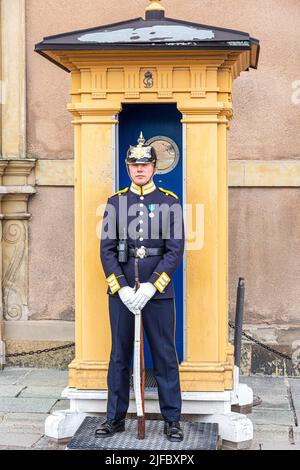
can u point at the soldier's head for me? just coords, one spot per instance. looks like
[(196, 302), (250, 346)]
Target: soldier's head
[(141, 162)]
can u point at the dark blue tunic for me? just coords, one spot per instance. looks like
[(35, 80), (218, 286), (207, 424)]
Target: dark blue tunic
[(127, 215)]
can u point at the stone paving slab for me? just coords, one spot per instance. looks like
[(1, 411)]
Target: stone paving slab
[(11, 390), (274, 437), (27, 405), (13, 375), (32, 391), (276, 403), (16, 448), (24, 422), (61, 405), (46, 377), (21, 428), (266, 441), (263, 384), (273, 444), (273, 429), (272, 391), (271, 416), (30, 419), (295, 388), (296, 432), (51, 444), (19, 439)]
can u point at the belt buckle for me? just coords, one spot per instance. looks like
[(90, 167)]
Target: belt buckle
[(141, 252)]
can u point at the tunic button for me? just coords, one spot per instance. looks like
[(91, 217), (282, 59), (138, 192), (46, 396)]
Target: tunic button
[(141, 221), (141, 239), (142, 198), (141, 213), (141, 205), (141, 230)]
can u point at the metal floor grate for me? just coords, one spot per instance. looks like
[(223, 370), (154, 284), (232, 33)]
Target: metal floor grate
[(197, 436), (150, 381)]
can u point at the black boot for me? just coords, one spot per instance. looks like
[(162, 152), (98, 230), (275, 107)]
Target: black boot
[(173, 431), (110, 427)]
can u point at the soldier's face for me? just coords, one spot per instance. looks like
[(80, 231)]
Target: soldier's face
[(141, 173)]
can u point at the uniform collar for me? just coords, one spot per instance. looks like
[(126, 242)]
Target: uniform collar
[(143, 190)]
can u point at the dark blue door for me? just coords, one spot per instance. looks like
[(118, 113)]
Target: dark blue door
[(155, 120)]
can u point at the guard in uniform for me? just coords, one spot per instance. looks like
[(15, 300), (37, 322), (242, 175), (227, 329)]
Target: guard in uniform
[(142, 221)]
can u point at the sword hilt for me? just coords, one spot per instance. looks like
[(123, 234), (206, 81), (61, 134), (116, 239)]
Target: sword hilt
[(136, 274)]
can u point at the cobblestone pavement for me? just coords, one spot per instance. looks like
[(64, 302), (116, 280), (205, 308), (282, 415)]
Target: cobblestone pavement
[(28, 396)]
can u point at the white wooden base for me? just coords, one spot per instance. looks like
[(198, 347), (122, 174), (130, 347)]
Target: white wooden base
[(94, 401), (214, 407)]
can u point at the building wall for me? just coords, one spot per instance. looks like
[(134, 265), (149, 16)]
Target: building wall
[(264, 216), (266, 122), (51, 260)]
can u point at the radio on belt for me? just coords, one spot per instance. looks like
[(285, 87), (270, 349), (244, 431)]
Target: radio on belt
[(123, 249)]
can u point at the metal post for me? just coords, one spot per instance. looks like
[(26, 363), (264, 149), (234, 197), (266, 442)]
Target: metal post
[(2, 346), (239, 317)]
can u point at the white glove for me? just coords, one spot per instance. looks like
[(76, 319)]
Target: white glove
[(143, 295), (126, 294)]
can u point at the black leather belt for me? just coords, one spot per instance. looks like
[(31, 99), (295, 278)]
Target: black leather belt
[(143, 252)]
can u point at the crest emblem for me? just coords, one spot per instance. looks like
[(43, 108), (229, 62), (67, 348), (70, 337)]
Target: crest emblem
[(148, 80)]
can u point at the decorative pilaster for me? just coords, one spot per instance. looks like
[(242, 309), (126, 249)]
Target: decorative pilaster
[(3, 165), (15, 192), (13, 118), (94, 175), (208, 364), (16, 175)]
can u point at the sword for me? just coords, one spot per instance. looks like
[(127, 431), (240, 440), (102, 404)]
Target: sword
[(139, 363)]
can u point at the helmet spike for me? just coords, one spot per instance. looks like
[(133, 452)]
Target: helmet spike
[(141, 139)]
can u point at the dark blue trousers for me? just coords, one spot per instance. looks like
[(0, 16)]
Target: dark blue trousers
[(159, 324)]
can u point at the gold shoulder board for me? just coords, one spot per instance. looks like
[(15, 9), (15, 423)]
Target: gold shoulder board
[(166, 191), (121, 191)]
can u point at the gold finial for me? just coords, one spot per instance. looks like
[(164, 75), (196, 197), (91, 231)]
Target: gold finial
[(141, 140), (155, 5)]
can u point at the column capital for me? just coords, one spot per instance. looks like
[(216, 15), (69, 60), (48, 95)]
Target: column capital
[(215, 107), (215, 113), (16, 171), (92, 109)]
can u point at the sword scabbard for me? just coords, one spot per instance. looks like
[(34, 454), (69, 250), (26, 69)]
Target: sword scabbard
[(141, 369)]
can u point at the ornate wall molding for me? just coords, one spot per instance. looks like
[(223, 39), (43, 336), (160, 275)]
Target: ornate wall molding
[(138, 82)]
